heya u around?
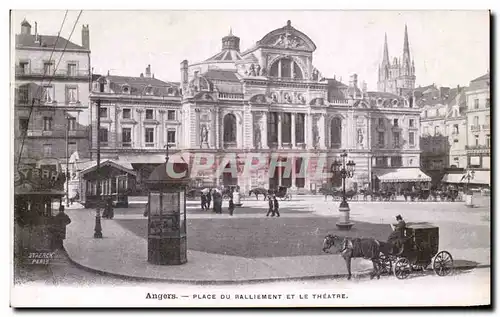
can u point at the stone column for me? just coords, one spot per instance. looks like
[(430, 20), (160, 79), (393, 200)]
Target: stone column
[(217, 128), (279, 130), (389, 163), (117, 141), (293, 131), (309, 131), (293, 174), (322, 132), (264, 130), (139, 134), (162, 141)]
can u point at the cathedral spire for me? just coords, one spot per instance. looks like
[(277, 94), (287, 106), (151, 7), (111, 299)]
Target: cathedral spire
[(406, 50), (385, 60)]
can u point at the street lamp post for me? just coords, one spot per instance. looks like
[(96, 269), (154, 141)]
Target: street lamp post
[(344, 170), (166, 152), (67, 160), (98, 226), (469, 175)]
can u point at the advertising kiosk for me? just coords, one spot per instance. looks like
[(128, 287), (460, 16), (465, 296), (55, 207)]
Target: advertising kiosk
[(38, 192), (167, 185)]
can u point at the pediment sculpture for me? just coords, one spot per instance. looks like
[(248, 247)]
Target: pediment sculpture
[(288, 40)]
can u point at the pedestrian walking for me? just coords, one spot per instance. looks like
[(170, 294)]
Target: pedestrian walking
[(214, 194), (218, 201), (231, 205), (60, 221), (203, 202), (276, 210), (271, 207), (209, 198)]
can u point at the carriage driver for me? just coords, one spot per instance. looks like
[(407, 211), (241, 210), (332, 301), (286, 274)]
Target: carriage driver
[(397, 235)]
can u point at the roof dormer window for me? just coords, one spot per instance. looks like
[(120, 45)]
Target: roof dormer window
[(149, 90), (126, 89)]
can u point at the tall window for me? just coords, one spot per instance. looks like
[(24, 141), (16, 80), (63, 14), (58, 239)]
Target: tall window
[(149, 114), (487, 102), (48, 68), (72, 124), (412, 123), (47, 150), (48, 94), (476, 103), (272, 127), (103, 136), (171, 136), (23, 125), (286, 128), (47, 123), (103, 112), (230, 128), (436, 130), (24, 67), (299, 128), (71, 95), (488, 144), (336, 133), (381, 123), (126, 114), (455, 129), (396, 122), (150, 136), (23, 94), (476, 121), (71, 69), (126, 137), (395, 139), (411, 138), (286, 68), (381, 161), (171, 115), (476, 138), (381, 140)]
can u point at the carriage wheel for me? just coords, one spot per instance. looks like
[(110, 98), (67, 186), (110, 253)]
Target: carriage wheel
[(443, 263), (402, 268), (385, 264)]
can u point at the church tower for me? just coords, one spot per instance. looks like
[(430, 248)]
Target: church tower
[(398, 77)]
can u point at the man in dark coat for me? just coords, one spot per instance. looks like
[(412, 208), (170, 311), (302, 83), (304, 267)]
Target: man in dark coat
[(209, 199), (276, 206), (60, 221), (231, 205), (203, 202), (271, 206), (396, 237)]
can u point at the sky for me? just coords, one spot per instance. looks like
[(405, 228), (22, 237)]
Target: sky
[(449, 48)]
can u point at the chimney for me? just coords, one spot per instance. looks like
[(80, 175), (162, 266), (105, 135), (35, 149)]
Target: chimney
[(142, 75), (85, 36), (25, 27), (353, 81), (37, 40), (148, 71)]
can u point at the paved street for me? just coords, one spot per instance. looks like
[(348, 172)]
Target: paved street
[(296, 235)]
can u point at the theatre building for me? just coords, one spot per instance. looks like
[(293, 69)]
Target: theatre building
[(268, 99)]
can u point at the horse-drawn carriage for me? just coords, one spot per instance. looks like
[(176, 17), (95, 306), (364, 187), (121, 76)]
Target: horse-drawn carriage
[(419, 249), (280, 193)]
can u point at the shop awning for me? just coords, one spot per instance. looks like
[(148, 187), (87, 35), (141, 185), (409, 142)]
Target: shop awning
[(480, 177), (404, 175)]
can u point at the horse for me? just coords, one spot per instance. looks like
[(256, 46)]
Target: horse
[(367, 248), (366, 193), (258, 191), (328, 192)]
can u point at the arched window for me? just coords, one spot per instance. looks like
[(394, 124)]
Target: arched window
[(230, 128), (336, 133), (286, 68)]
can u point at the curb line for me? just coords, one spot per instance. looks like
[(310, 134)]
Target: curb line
[(245, 281)]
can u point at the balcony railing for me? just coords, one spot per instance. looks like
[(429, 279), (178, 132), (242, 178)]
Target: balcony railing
[(230, 145), (20, 71), (477, 147), (225, 95), (475, 128), (486, 126)]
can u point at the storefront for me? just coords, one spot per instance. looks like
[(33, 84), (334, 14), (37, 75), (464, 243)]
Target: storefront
[(402, 179)]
